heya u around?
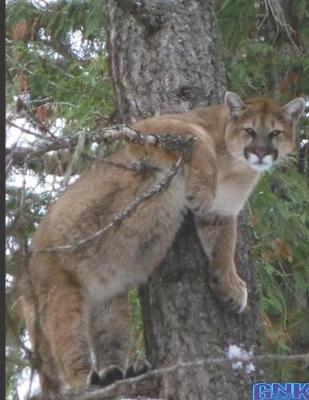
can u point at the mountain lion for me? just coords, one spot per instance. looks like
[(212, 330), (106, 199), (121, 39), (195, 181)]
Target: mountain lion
[(74, 301)]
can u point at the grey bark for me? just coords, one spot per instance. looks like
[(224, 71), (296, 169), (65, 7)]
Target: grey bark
[(171, 69), (172, 63)]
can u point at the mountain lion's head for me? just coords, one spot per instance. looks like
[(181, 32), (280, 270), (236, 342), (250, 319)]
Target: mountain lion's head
[(261, 131)]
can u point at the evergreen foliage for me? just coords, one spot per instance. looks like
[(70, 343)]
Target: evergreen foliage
[(263, 57), (281, 226), (56, 58)]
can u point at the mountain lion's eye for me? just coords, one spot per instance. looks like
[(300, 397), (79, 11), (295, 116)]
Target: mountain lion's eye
[(251, 132), (274, 133)]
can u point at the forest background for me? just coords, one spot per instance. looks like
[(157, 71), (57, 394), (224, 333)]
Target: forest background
[(58, 85)]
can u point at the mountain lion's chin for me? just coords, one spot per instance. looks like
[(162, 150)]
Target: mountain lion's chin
[(260, 166)]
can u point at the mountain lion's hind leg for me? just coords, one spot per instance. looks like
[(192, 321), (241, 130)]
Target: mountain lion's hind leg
[(218, 237), (66, 330), (48, 374), (109, 328)]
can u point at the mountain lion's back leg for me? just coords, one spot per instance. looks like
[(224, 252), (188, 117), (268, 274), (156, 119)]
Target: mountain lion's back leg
[(66, 329), (43, 358), (61, 319), (110, 336)]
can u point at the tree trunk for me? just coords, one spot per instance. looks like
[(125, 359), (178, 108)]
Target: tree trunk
[(165, 57)]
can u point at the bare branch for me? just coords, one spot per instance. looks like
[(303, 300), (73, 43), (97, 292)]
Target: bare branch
[(32, 157), (280, 20), (132, 386)]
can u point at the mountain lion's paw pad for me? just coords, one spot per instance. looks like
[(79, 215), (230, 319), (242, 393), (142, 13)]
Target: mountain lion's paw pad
[(110, 374), (231, 291), (139, 368)]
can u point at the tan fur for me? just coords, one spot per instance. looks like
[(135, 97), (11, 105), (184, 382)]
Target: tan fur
[(78, 303)]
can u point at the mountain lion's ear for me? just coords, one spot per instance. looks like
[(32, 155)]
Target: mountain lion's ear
[(234, 103), (295, 108)]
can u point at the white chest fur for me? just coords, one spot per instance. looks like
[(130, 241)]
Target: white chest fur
[(232, 192)]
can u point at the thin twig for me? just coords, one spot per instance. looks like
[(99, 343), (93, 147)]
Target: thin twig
[(31, 115), (27, 397), (264, 17), (25, 130)]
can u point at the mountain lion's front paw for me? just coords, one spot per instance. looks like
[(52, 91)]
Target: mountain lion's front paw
[(230, 290), (106, 376), (140, 367), (113, 373), (199, 200)]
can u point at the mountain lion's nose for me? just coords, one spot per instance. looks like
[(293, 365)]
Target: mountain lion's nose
[(260, 152)]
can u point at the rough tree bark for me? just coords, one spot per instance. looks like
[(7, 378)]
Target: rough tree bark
[(165, 57)]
